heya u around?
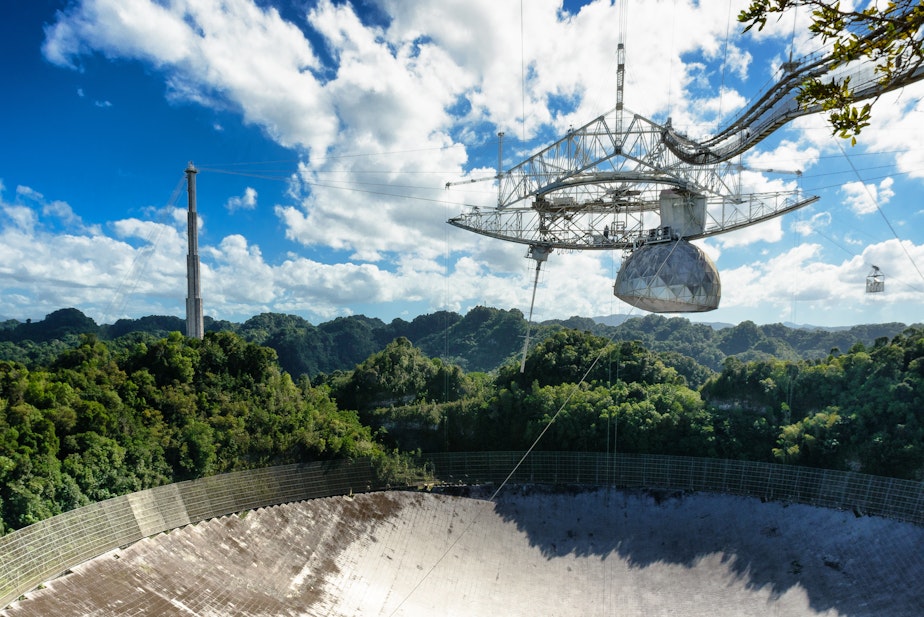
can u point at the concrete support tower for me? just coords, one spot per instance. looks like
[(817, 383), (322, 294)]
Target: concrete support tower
[(194, 324)]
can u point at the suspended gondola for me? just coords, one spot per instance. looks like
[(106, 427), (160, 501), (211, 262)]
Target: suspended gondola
[(875, 281)]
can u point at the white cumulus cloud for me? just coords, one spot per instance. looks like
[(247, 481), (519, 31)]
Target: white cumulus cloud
[(247, 201), (865, 198), (383, 114)]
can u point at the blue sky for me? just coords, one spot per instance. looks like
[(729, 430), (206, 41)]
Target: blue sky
[(325, 133)]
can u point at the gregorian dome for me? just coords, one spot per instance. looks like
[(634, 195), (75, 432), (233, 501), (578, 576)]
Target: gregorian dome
[(669, 277)]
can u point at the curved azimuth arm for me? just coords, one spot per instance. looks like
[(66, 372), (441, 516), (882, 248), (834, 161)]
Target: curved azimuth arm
[(884, 36)]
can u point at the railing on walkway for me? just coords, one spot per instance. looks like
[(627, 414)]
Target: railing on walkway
[(35, 554)]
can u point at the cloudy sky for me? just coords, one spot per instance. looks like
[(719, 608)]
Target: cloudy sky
[(325, 133)]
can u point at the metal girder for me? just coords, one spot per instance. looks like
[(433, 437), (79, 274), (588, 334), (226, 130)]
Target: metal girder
[(599, 186), (617, 225), (599, 190), (595, 153), (606, 156)]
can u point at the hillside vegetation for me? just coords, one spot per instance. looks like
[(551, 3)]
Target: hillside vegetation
[(861, 410), (96, 423), (84, 418), (481, 340)]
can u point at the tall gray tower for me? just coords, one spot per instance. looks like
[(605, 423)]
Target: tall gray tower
[(194, 324)]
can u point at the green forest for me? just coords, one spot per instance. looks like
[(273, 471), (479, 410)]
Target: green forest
[(89, 412)]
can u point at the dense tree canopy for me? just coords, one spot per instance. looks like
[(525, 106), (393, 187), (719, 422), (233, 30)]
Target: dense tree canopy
[(861, 410), (95, 424), (86, 419)]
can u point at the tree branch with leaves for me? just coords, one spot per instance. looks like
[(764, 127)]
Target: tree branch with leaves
[(886, 34)]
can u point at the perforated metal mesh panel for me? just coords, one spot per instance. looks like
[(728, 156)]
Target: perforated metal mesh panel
[(37, 553)]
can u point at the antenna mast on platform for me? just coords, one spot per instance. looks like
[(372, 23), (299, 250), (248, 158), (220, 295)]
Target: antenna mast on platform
[(194, 323)]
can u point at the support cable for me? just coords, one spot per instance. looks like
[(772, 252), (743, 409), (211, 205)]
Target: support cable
[(725, 57), (522, 75), (515, 468), (670, 71), (142, 257), (881, 213), (529, 321), (525, 455)]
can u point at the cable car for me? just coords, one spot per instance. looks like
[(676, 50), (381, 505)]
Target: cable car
[(875, 281)]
